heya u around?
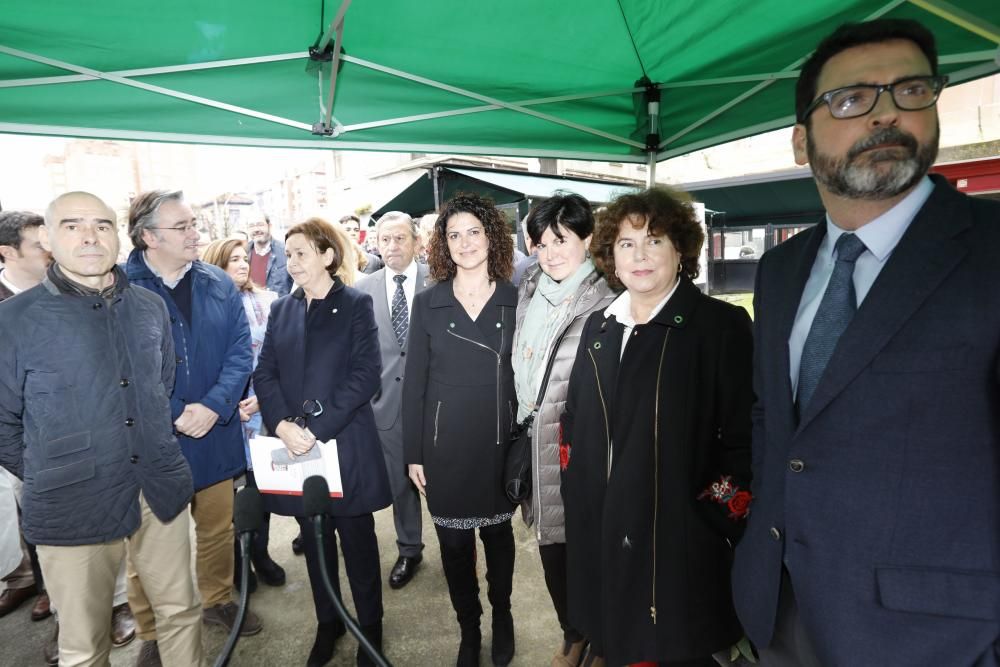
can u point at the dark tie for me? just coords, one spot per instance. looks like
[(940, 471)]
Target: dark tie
[(400, 314), (834, 314)]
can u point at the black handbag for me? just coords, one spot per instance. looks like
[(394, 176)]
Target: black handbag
[(517, 464)]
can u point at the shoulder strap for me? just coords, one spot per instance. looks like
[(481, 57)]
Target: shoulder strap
[(548, 370)]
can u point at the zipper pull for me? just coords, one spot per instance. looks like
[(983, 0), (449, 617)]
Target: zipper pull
[(652, 613)]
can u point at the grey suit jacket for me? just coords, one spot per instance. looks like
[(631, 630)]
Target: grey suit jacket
[(387, 401)]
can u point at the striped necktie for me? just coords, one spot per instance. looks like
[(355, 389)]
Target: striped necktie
[(834, 314), (400, 314)]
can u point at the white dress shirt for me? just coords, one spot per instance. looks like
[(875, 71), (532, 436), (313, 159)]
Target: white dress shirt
[(409, 286), (621, 309), (880, 237), (14, 289)]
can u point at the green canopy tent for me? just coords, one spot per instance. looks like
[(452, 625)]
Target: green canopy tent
[(617, 80)]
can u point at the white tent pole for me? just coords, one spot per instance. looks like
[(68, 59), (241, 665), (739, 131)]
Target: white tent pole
[(492, 100), (154, 89), (337, 21), (488, 107), (313, 143), (764, 84), (961, 18), (150, 71)]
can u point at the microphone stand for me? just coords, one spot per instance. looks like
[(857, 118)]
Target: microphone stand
[(318, 491), (247, 516)]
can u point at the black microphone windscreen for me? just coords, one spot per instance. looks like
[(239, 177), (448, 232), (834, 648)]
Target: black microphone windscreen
[(248, 510), (315, 496)]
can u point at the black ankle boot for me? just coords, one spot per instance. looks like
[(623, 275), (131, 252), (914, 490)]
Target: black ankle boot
[(502, 649), (374, 635), (468, 650), (327, 635)]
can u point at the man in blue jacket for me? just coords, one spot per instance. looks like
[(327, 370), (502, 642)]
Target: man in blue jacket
[(213, 363), (85, 371), (873, 536)]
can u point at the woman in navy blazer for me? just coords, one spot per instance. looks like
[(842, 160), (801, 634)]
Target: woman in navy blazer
[(318, 370)]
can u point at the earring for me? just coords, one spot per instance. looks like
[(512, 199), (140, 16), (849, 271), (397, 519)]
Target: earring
[(586, 254)]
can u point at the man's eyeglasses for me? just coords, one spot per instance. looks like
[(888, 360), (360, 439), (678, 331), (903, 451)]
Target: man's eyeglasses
[(910, 94), (183, 229), (310, 408)]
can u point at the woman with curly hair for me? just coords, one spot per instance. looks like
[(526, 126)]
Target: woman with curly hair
[(458, 405), (656, 446)]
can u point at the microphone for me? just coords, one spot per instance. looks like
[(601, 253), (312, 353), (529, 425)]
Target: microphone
[(316, 504), (248, 514)]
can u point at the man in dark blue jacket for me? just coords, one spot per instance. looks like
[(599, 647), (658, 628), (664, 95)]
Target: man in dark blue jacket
[(873, 536), (213, 363), (85, 371)]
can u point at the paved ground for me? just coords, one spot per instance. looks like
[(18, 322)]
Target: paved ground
[(419, 625)]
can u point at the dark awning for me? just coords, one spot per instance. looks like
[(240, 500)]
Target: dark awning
[(504, 187), (783, 198)]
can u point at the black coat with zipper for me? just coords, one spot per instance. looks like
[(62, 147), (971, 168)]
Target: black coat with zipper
[(458, 399), (641, 533)]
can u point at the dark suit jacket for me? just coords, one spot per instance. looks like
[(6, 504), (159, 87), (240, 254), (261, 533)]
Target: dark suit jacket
[(890, 528), (330, 355)]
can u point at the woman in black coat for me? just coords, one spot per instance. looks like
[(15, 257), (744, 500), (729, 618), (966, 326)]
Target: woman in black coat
[(656, 446), (458, 404), (319, 368)]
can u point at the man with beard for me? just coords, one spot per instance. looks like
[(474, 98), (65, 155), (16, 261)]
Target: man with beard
[(873, 535)]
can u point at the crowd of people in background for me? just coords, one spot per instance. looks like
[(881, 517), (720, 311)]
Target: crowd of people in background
[(817, 487)]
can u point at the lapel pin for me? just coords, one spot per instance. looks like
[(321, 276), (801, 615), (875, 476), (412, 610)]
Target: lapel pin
[(334, 310), (597, 344), (498, 325), (678, 319), (451, 324)]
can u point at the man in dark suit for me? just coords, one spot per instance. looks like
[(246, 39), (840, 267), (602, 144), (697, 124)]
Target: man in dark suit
[(392, 289), (873, 535)]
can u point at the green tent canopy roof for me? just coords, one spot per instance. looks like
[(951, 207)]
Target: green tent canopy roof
[(519, 77)]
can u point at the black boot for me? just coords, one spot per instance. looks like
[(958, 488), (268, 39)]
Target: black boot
[(468, 650), (374, 635), (327, 635), (498, 543), (502, 650)]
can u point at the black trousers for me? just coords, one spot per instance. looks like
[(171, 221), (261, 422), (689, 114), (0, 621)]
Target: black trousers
[(554, 568), (790, 645), (458, 559), (361, 559)]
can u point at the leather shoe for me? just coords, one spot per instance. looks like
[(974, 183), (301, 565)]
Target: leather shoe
[(322, 650), (50, 652), (297, 545), (403, 570), (41, 610), (224, 614), (12, 598), (268, 571), (122, 625), (468, 649)]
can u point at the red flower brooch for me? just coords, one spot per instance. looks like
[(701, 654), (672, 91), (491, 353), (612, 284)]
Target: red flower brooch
[(564, 448), (724, 492)]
